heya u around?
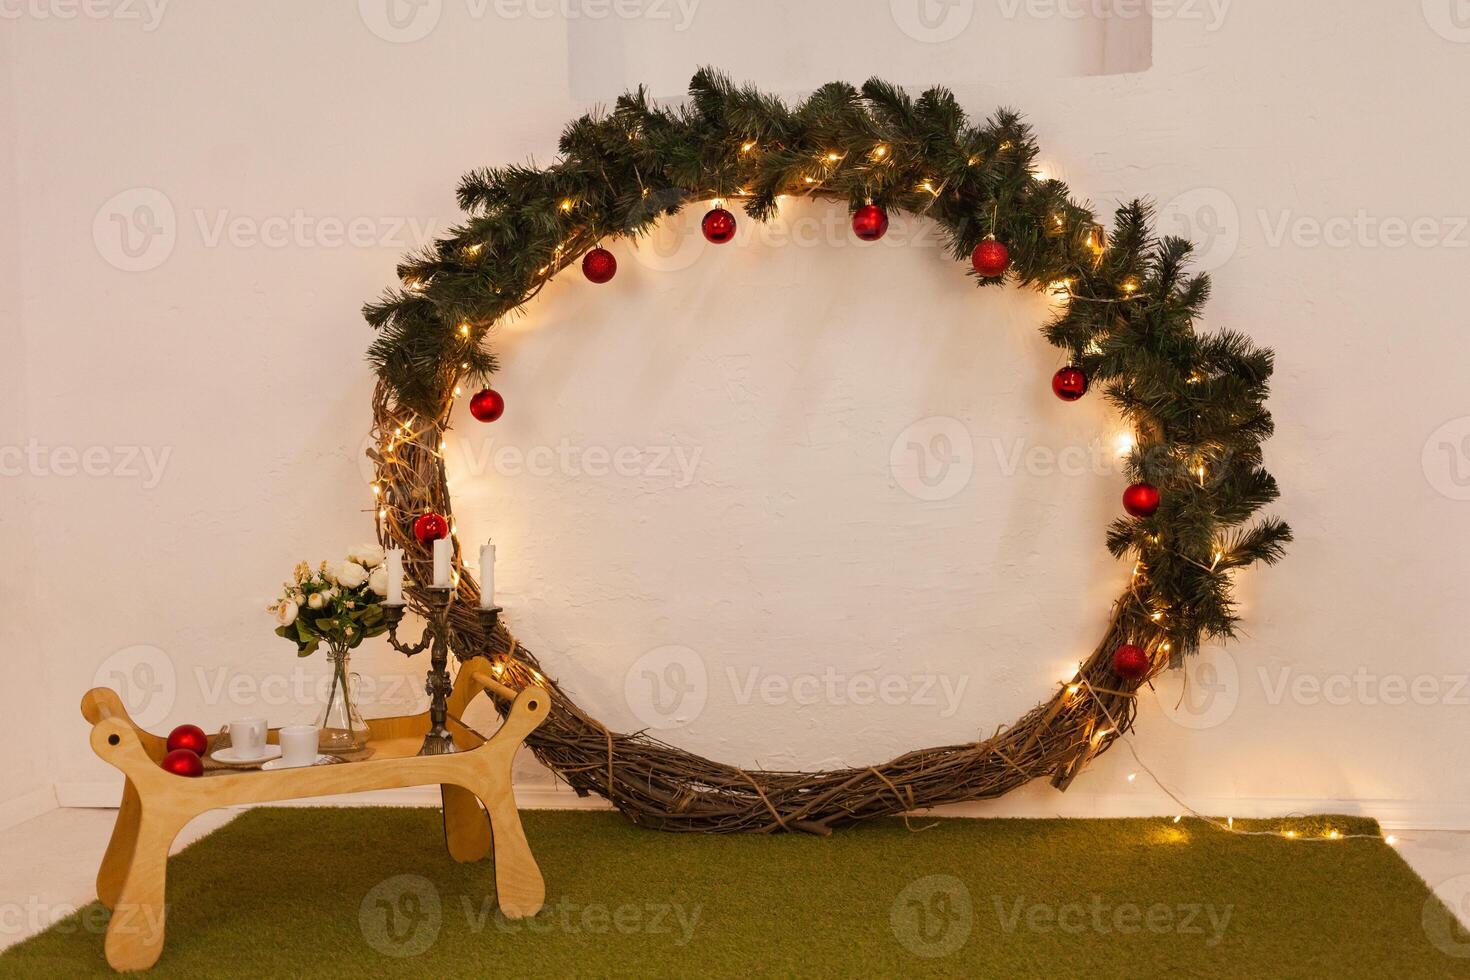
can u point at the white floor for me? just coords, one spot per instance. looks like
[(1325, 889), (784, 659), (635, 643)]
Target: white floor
[(49, 864)]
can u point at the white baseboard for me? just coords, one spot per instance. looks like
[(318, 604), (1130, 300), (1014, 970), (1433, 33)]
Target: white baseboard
[(27, 806), (1392, 814)]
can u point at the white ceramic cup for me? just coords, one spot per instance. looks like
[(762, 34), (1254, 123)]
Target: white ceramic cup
[(299, 745), (247, 736)]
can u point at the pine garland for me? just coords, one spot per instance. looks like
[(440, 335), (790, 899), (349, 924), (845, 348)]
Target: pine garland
[(1126, 313)]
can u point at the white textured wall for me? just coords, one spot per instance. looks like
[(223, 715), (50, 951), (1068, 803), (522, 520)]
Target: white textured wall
[(785, 368)]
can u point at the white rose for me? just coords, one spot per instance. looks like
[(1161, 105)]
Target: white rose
[(378, 580), (350, 574), (316, 600), (368, 555), (286, 611), (329, 571)]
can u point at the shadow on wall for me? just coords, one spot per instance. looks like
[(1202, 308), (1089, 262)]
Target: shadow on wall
[(613, 45)]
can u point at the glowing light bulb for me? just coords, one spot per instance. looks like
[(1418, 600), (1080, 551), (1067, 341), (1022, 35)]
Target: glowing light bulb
[(1290, 834), (880, 151), (464, 329), (1390, 840), (1333, 835), (747, 146), (1132, 776), (1178, 818), (566, 204), (833, 157)]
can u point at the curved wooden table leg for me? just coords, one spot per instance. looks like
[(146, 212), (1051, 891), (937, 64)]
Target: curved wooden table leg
[(466, 831), (520, 890), (119, 854), (135, 934)]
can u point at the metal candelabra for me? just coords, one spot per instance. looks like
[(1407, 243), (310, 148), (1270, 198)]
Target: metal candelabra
[(439, 740)]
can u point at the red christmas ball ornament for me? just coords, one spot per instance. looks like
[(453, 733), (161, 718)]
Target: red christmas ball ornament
[(430, 527), (718, 226), (188, 737), (488, 404), (1141, 499), (182, 762), (1130, 662), (1069, 383), (599, 265), (869, 222), (990, 258)]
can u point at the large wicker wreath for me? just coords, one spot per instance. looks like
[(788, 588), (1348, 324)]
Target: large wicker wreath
[(1125, 315)]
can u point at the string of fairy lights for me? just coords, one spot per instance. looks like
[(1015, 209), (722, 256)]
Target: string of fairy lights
[(869, 223)]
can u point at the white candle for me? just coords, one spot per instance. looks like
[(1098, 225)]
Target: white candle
[(395, 577), (487, 575), (441, 563)]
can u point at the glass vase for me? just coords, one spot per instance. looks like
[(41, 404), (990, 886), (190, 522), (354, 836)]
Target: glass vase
[(342, 727)]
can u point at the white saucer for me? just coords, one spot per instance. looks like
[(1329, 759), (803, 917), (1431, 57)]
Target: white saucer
[(231, 756), (320, 760)]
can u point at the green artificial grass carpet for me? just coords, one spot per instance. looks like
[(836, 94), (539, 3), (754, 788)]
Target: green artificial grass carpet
[(372, 892)]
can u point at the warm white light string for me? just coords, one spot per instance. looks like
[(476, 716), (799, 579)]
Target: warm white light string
[(1228, 825)]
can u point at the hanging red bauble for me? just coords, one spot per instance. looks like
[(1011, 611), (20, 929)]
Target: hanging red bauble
[(990, 258), (599, 265), (182, 762), (190, 737), (1141, 499), (1069, 383), (869, 222), (487, 405), (718, 226), (1130, 662), (430, 527)]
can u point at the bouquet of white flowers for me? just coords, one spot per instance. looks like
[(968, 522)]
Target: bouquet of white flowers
[(338, 602)]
